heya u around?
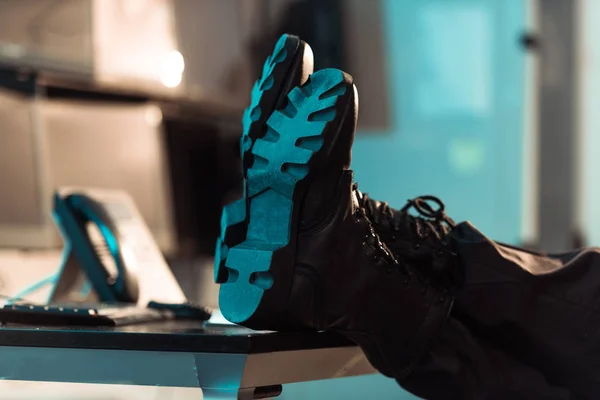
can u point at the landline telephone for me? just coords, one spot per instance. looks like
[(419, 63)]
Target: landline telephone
[(108, 245), (107, 239), (95, 241)]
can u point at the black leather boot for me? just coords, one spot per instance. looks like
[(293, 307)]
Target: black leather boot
[(422, 240), (311, 258)]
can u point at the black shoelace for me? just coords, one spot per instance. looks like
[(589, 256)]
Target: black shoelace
[(430, 222), (380, 254)]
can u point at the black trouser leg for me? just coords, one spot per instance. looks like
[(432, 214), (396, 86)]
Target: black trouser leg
[(461, 366), (542, 310)]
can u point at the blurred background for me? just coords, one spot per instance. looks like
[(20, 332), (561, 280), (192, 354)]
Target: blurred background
[(488, 104)]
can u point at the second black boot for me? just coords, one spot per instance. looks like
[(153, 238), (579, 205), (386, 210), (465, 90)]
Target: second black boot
[(311, 258)]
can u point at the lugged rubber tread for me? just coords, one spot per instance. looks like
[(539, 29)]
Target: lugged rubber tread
[(234, 214), (253, 112), (271, 190)]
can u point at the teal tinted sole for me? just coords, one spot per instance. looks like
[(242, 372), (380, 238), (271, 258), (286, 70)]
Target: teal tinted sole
[(258, 275), (265, 94)]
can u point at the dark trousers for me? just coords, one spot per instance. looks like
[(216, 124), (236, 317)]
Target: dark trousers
[(524, 326)]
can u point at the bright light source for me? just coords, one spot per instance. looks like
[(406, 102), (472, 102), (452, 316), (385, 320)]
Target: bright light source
[(171, 80), (172, 69)]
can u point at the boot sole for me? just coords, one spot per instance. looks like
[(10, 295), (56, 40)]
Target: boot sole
[(284, 69), (295, 148)]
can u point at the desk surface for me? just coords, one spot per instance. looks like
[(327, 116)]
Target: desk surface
[(172, 336), (225, 361)]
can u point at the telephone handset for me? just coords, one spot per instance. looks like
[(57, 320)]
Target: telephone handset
[(95, 242)]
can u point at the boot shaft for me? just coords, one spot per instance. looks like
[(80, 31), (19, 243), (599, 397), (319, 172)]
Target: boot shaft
[(348, 281)]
